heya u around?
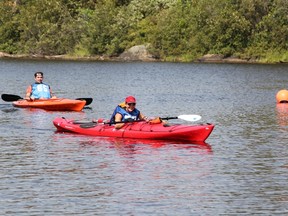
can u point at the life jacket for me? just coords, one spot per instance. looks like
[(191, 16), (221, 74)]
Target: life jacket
[(134, 115), (40, 90)]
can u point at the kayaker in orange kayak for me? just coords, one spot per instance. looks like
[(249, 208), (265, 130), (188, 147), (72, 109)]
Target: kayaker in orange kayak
[(39, 90), (126, 112)]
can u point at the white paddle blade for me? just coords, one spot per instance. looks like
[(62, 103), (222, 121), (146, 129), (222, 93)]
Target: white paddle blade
[(190, 117)]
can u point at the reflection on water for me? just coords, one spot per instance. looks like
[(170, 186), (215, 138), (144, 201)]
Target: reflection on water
[(131, 146), (282, 114), (128, 147)]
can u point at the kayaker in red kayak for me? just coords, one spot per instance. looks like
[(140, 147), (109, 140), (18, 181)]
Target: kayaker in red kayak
[(39, 90), (126, 112)]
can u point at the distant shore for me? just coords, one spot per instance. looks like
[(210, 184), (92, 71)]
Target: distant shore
[(209, 58)]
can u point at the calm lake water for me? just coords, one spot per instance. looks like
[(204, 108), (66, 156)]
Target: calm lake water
[(242, 169)]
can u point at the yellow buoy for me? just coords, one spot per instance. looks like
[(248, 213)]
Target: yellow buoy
[(282, 96)]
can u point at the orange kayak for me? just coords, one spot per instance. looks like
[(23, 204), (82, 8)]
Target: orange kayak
[(55, 104)]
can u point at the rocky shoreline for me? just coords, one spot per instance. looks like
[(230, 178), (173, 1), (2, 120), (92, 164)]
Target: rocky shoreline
[(136, 53)]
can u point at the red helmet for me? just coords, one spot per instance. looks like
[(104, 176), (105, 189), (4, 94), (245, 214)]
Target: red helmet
[(130, 99)]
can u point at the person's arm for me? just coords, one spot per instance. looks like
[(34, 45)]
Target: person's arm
[(52, 94), (118, 118), (143, 117), (28, 93)]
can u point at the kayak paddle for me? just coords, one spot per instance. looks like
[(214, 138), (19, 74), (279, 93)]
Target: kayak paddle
[(191, 118), (184, 117), (11, 98), (89, 124)]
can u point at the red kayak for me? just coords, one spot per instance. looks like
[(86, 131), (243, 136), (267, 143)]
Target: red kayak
[(57, 104), (139, 130)]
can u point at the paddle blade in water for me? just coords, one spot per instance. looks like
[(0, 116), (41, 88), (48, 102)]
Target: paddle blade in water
[(88, 100)]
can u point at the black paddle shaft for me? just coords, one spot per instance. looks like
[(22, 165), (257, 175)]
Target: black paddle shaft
[(167, 118), (11, 98)]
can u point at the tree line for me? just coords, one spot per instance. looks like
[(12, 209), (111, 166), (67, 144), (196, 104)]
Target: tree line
[(176, 30)]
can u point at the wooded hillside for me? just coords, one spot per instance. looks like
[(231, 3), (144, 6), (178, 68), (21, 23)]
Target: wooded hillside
[(176, 30)]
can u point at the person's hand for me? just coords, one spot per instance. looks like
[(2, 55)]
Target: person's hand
[(147, 119), (53, 97), (130, 120), (30, 98)]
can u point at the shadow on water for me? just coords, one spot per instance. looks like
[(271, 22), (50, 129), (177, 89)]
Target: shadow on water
[(7, 108)]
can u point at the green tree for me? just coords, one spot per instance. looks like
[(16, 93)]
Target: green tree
[(47, 28), (9, 33), (228, 30), (271, 33), (101, 37)]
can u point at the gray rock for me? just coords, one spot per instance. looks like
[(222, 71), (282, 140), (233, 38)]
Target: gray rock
[(137, 53)]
